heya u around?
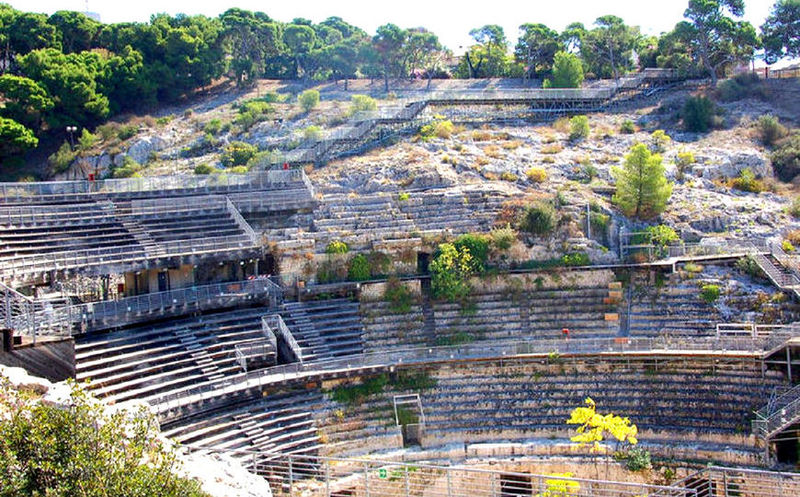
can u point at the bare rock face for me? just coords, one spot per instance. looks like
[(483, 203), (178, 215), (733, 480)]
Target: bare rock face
[(222, 476), (719, 164), (142, 149)]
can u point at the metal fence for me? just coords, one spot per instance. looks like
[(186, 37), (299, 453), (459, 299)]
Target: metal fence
[(311, 476), (779, 413), (716, 481), (171, 403), (126, 310), (212, 183)]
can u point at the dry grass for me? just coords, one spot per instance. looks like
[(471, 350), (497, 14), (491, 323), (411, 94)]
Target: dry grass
[(561, 125), (552, 148), (548, 160), (481, 161), (480, 135), (509, 176), (512, 145), (536, 174), (492, 151)]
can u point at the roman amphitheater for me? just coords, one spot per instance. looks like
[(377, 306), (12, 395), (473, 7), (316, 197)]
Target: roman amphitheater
[(204, 296)]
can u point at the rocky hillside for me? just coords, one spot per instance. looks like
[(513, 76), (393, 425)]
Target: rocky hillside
[(526, 158)]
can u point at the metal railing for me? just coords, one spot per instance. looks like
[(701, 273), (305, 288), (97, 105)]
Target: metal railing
[(749, 329), (212, 183), (730, 482), (312, 476), (273, 324), (240, 221), (256, 349), (121, 311), (778, 414), (750, 346)]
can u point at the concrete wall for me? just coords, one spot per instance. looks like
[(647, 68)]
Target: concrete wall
[(52, 358)]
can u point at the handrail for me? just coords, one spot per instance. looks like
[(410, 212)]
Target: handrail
[(262, 180), (180, 297), (240, 221), (323, 476), (275, 325), (482, 351)]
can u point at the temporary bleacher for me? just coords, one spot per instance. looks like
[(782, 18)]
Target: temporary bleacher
[(113, 226), (325, 329), (158, 358)]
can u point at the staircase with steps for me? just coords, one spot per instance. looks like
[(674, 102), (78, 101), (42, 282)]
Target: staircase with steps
[(305, 333), (325, 329), (199, 353), (151, 247)]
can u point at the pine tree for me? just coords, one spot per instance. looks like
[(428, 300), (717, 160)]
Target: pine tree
[(642, 188)]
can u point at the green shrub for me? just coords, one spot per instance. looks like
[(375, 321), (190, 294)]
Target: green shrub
[(638, 459), (590, 172), (359, 268), (312, 133), (509, 176), (205, 169), (536, 174), (457, 338), (709, 293), (450, 271), (659, 140), (599, 222), (539, 218), (440, 128), (741, 86), (237, 154), (627, 127), (87, 140), (403, 196), (578, 128), (253, 111), (787, 246), (786, 158), (83, 450), (698, 114), (126, 131), (362, 103), (337, 247), (355, 394), (576, 259), (749, 266), (683, 160), (398, 296), (747, 182), (308, 100), (502, 238), (794, 209), (661, 235), (478, 246), (213, 127), (129, 169), (770, 130), (61, 159)]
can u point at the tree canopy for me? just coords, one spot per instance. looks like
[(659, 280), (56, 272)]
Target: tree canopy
[(781, 31), (642, 188)]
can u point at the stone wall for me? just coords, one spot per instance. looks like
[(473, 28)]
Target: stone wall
[(51, 358)]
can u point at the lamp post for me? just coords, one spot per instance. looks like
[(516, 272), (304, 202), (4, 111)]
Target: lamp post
[(71, 130)]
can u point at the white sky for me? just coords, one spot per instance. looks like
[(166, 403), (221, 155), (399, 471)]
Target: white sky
[(451, 20)]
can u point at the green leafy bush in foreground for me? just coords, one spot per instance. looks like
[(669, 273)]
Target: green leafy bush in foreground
[(83, 451)]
